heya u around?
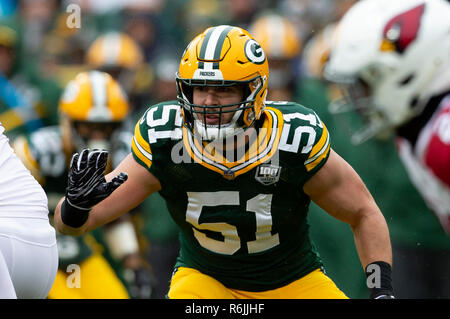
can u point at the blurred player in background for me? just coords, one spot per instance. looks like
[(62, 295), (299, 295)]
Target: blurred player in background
[(117, 54), (282, 44), (92, 110), (391, 60)]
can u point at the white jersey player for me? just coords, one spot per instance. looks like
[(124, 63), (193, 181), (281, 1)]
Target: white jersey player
[(392, 58), (28, 253)]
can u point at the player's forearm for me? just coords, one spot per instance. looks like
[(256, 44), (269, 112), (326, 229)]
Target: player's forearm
[(374, 248), (72, 222), (371, 236)]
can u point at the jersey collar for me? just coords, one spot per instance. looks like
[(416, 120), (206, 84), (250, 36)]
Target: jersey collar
[(260, 150)]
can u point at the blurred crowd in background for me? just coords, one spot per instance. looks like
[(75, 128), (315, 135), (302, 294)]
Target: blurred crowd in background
[(138, 42), (43, 46)]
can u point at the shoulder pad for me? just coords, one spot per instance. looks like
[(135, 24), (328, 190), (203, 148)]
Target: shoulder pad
[(159, 124), (304, 134), (163, 120)]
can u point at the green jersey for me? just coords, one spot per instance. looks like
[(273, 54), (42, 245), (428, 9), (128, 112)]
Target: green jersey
[(242, 216)]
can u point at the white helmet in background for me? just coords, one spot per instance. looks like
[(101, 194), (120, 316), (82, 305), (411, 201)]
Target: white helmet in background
[(391, 57)]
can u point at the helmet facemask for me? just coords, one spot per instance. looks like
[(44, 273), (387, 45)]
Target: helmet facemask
[(95, 135), (195, 115), (357, 98)]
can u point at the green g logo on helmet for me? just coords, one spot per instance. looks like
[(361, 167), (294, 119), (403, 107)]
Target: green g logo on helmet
[(254, 52)]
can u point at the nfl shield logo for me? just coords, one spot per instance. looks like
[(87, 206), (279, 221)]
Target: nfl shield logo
[(267, 174)]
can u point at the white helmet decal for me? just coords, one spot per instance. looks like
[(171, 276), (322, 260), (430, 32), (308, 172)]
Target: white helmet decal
[(402, 29), (254, 52)]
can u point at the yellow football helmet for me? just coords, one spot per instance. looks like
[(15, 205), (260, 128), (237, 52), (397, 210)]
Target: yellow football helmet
[(117, 54), (114, 49), (282, 44), (92, 108), (278, 36), (223, 56)]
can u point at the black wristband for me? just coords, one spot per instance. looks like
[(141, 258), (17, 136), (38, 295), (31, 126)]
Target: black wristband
[(379, 279), (72, 216)]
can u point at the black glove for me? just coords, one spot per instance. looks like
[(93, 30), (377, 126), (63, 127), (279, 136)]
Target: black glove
[(87, 186), (379, 280)]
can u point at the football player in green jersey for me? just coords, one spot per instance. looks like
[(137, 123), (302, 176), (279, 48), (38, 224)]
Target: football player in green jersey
[(238, 174)]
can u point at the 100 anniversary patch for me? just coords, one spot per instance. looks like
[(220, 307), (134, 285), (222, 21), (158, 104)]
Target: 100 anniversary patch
[(267, 174)]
